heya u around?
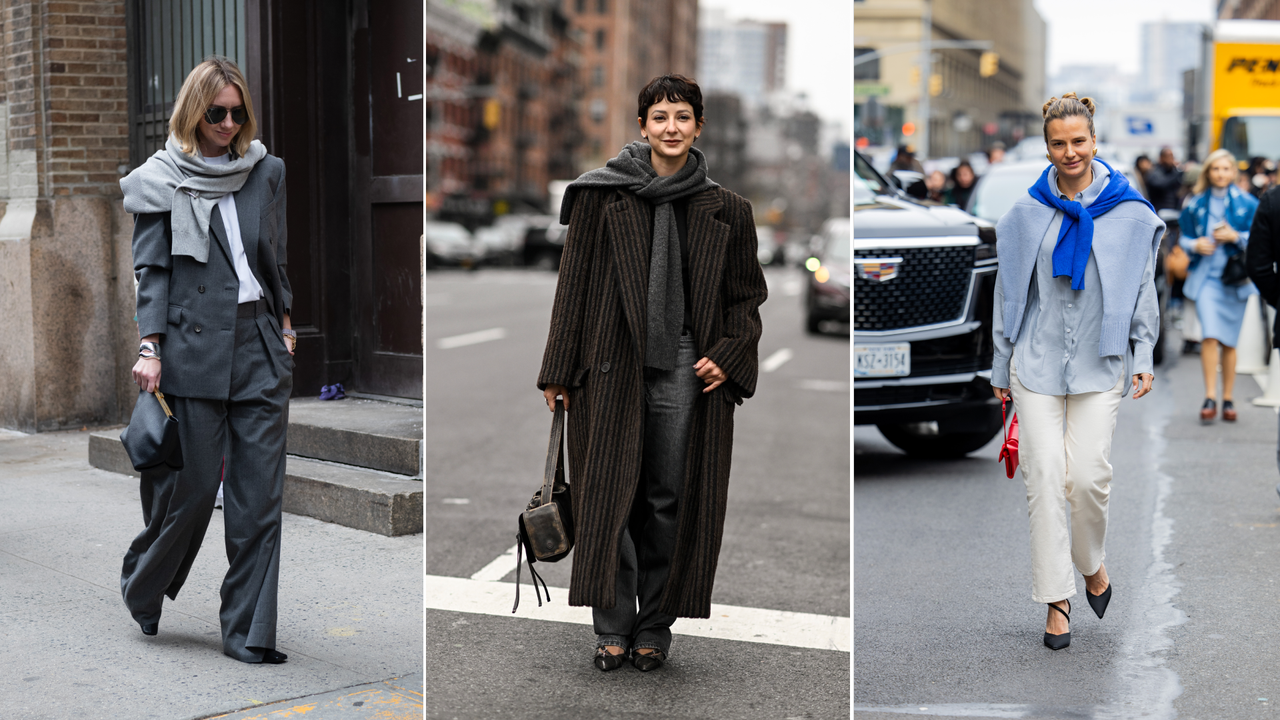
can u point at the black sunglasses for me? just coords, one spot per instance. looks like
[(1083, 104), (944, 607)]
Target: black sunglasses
[(216, 114)]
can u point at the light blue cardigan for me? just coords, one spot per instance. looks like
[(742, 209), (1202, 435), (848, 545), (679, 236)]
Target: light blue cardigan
[(1124, 240), (1239, 208)]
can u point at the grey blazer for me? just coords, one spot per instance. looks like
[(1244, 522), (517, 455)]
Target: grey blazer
[(192, 305)]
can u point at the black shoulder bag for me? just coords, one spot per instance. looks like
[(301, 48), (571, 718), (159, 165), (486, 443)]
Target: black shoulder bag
[(545, 528)]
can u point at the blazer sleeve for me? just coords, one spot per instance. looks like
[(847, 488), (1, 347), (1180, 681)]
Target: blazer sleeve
[(282, 243), (152, 267), (744, 289), (561, 359), (1260, 256)]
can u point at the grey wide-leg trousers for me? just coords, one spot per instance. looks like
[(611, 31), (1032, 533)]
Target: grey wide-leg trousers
[(247, 431), (649, 538)]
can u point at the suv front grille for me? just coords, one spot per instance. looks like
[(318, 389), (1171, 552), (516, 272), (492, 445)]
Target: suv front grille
[(931, 288)]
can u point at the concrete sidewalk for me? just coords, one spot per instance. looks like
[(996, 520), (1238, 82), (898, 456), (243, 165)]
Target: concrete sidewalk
[(350, 609)]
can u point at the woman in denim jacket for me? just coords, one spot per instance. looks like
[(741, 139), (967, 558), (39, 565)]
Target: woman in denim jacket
[(1215, 226)]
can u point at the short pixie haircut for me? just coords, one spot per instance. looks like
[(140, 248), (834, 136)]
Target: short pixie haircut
[(672, 88), (198, 92)]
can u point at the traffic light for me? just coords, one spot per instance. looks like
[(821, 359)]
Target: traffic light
[(935, 85), (914, 77), (989, 64)]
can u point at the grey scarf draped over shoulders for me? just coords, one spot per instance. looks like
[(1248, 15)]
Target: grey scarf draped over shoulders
[(632, 170), (187, 187)]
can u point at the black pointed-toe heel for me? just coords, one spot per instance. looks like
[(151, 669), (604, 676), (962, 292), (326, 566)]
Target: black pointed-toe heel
[(645, 662), (606, 661), (274, 657), (1057, 642), (151, 628), (1099, 602)]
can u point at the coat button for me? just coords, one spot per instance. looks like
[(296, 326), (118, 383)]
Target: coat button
[(198, 328), (604, 367), (201, 288)]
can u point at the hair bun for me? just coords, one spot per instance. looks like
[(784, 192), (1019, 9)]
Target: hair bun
[(1044, 111)]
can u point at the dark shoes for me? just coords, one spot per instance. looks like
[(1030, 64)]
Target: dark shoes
[(1209, 411), (1057, 642), (1099, 602), (645, 662), (1228, 411), (151, 628), (272, 657), (606, 661)]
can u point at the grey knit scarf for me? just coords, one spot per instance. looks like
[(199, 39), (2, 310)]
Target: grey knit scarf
[(174, 182), (633, 171)]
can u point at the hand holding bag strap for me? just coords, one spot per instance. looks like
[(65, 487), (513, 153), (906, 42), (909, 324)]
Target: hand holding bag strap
[(555, 461), (163, 405)]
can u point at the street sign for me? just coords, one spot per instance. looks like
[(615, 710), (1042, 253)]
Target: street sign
[(870, 90), (1140, 126)]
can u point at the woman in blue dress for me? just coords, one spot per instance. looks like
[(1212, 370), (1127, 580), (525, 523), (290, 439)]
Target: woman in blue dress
[(1215, 226)]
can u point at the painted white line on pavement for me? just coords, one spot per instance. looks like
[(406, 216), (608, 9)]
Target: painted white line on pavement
[(480, 336), (824, 385), (982, 710), (776, 360), (498, 569), (727, 622)]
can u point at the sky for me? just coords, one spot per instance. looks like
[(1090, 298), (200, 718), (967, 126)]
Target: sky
[(819, 49), (1102, 32)]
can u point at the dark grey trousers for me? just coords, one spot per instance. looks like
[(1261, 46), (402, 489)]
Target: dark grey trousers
[(247, 432), (649, 538)]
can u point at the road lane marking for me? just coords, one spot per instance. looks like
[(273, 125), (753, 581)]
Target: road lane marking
[(776, 360), (824, 385), (727, 622), (498, 569), (474, 338), (981, 710)]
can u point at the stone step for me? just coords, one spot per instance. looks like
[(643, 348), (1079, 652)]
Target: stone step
[(356, 497), (358, 431)]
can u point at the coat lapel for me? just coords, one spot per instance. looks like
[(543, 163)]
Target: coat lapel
[(629, 230), (248, 210), (708, 247), (219, 231)]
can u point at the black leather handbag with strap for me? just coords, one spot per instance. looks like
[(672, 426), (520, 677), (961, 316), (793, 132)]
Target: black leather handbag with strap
[(545, 528), (151, 439)]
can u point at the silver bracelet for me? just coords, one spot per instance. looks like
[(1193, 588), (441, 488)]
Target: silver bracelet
[(149, 350)]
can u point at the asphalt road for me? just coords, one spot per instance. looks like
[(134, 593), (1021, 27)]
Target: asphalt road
[(786, 541), (944, 623)]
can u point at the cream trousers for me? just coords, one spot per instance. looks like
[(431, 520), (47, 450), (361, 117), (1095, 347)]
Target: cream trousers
[(1064, 451)]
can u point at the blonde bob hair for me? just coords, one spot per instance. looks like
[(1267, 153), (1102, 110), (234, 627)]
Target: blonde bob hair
[(198, 92), (1202, 180)]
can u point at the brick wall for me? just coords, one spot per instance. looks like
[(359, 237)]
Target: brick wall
[(87, 97)]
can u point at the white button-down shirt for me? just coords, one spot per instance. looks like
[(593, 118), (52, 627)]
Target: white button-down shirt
[(250, 290)]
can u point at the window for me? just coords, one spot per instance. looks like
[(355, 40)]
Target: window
[(869, 70), (580, 6), (598, 110), (597, 76), (600, 39), (602, 7)]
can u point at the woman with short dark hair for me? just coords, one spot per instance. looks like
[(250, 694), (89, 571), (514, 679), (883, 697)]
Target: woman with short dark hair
[(654, 336)]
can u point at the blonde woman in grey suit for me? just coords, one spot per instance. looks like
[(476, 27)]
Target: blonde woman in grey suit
[(209, 254)]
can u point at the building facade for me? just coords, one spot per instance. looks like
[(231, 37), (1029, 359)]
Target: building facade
[(967, 111), (745, 57), (87, 89), (625, 43), (1248, 9)]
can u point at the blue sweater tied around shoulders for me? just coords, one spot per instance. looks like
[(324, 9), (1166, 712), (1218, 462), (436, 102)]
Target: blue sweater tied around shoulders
[(1075, 239)]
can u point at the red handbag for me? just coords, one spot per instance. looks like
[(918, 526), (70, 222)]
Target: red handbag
[(1009, 450)]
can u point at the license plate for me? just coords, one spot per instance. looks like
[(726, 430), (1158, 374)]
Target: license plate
[(882, 360)]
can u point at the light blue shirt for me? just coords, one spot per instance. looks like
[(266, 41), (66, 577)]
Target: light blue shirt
[(1057, 348)]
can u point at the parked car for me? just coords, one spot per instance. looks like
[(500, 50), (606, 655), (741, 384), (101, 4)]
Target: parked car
[(449, 244), (767, 250), (503, 241), (923, 286), (543, 242), (827, 294), (1004, 183)]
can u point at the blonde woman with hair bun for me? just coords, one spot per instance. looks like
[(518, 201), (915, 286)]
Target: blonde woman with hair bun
[(213, 304), (1215, 226), (1075, 322)]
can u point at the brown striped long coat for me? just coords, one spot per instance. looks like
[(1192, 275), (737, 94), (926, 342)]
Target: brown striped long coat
[(595, 348)]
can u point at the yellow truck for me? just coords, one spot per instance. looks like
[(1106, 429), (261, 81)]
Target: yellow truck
[(1242, 61)]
